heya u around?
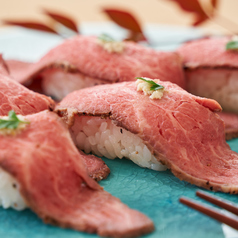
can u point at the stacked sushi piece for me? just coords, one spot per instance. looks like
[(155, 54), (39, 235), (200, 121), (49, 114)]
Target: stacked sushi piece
[(152, 121), (41, 168), (211, 70), (83, 62)]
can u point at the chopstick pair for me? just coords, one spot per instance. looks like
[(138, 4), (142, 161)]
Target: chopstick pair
[(212, 212)]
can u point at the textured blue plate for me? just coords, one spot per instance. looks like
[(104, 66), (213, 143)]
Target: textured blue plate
[(154, 193)]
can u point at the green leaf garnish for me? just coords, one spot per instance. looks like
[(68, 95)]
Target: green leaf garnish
[(12, 122), (105, 38), (232, 45), (153, 85)]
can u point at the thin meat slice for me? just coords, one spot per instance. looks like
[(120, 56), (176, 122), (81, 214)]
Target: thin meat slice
[(14, 96), (17, 68), (54, 181), (212, 71), (32, 103), (208, 52), (181, 130), (96, 167), (82, 62)]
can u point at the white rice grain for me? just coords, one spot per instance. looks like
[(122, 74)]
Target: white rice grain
[(10, 192), (59, 83), (103, 138)]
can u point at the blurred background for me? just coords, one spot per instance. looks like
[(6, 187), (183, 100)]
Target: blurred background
[(147, 11), (165, 24)]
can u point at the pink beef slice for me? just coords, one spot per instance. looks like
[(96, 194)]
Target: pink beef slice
[(212, 71), (17, 69), (33, 103), (84, 55), (14, 96), (181, 130), (97, 169), (55, 184), (208, 52)]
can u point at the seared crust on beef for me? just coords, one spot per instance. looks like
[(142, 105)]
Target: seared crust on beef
[(132, 233), (97, 169), (231, 134), (181, 130), (101, 173), (231, 124), (188, 67)]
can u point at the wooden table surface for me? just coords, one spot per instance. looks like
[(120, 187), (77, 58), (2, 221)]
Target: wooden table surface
[(147, 11)]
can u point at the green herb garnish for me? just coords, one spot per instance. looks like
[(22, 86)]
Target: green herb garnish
[(105, 38), (12, 122), (153, 85), (232, 45)]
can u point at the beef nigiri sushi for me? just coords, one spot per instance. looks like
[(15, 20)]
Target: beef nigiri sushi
[(163, 125), (14, 96), (85, 61), (212, 71), (41, 168)]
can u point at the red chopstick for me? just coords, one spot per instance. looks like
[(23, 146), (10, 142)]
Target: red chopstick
[(229, 206), (213, 212)]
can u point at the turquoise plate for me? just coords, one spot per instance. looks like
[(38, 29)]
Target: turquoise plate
[(155, 194)]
